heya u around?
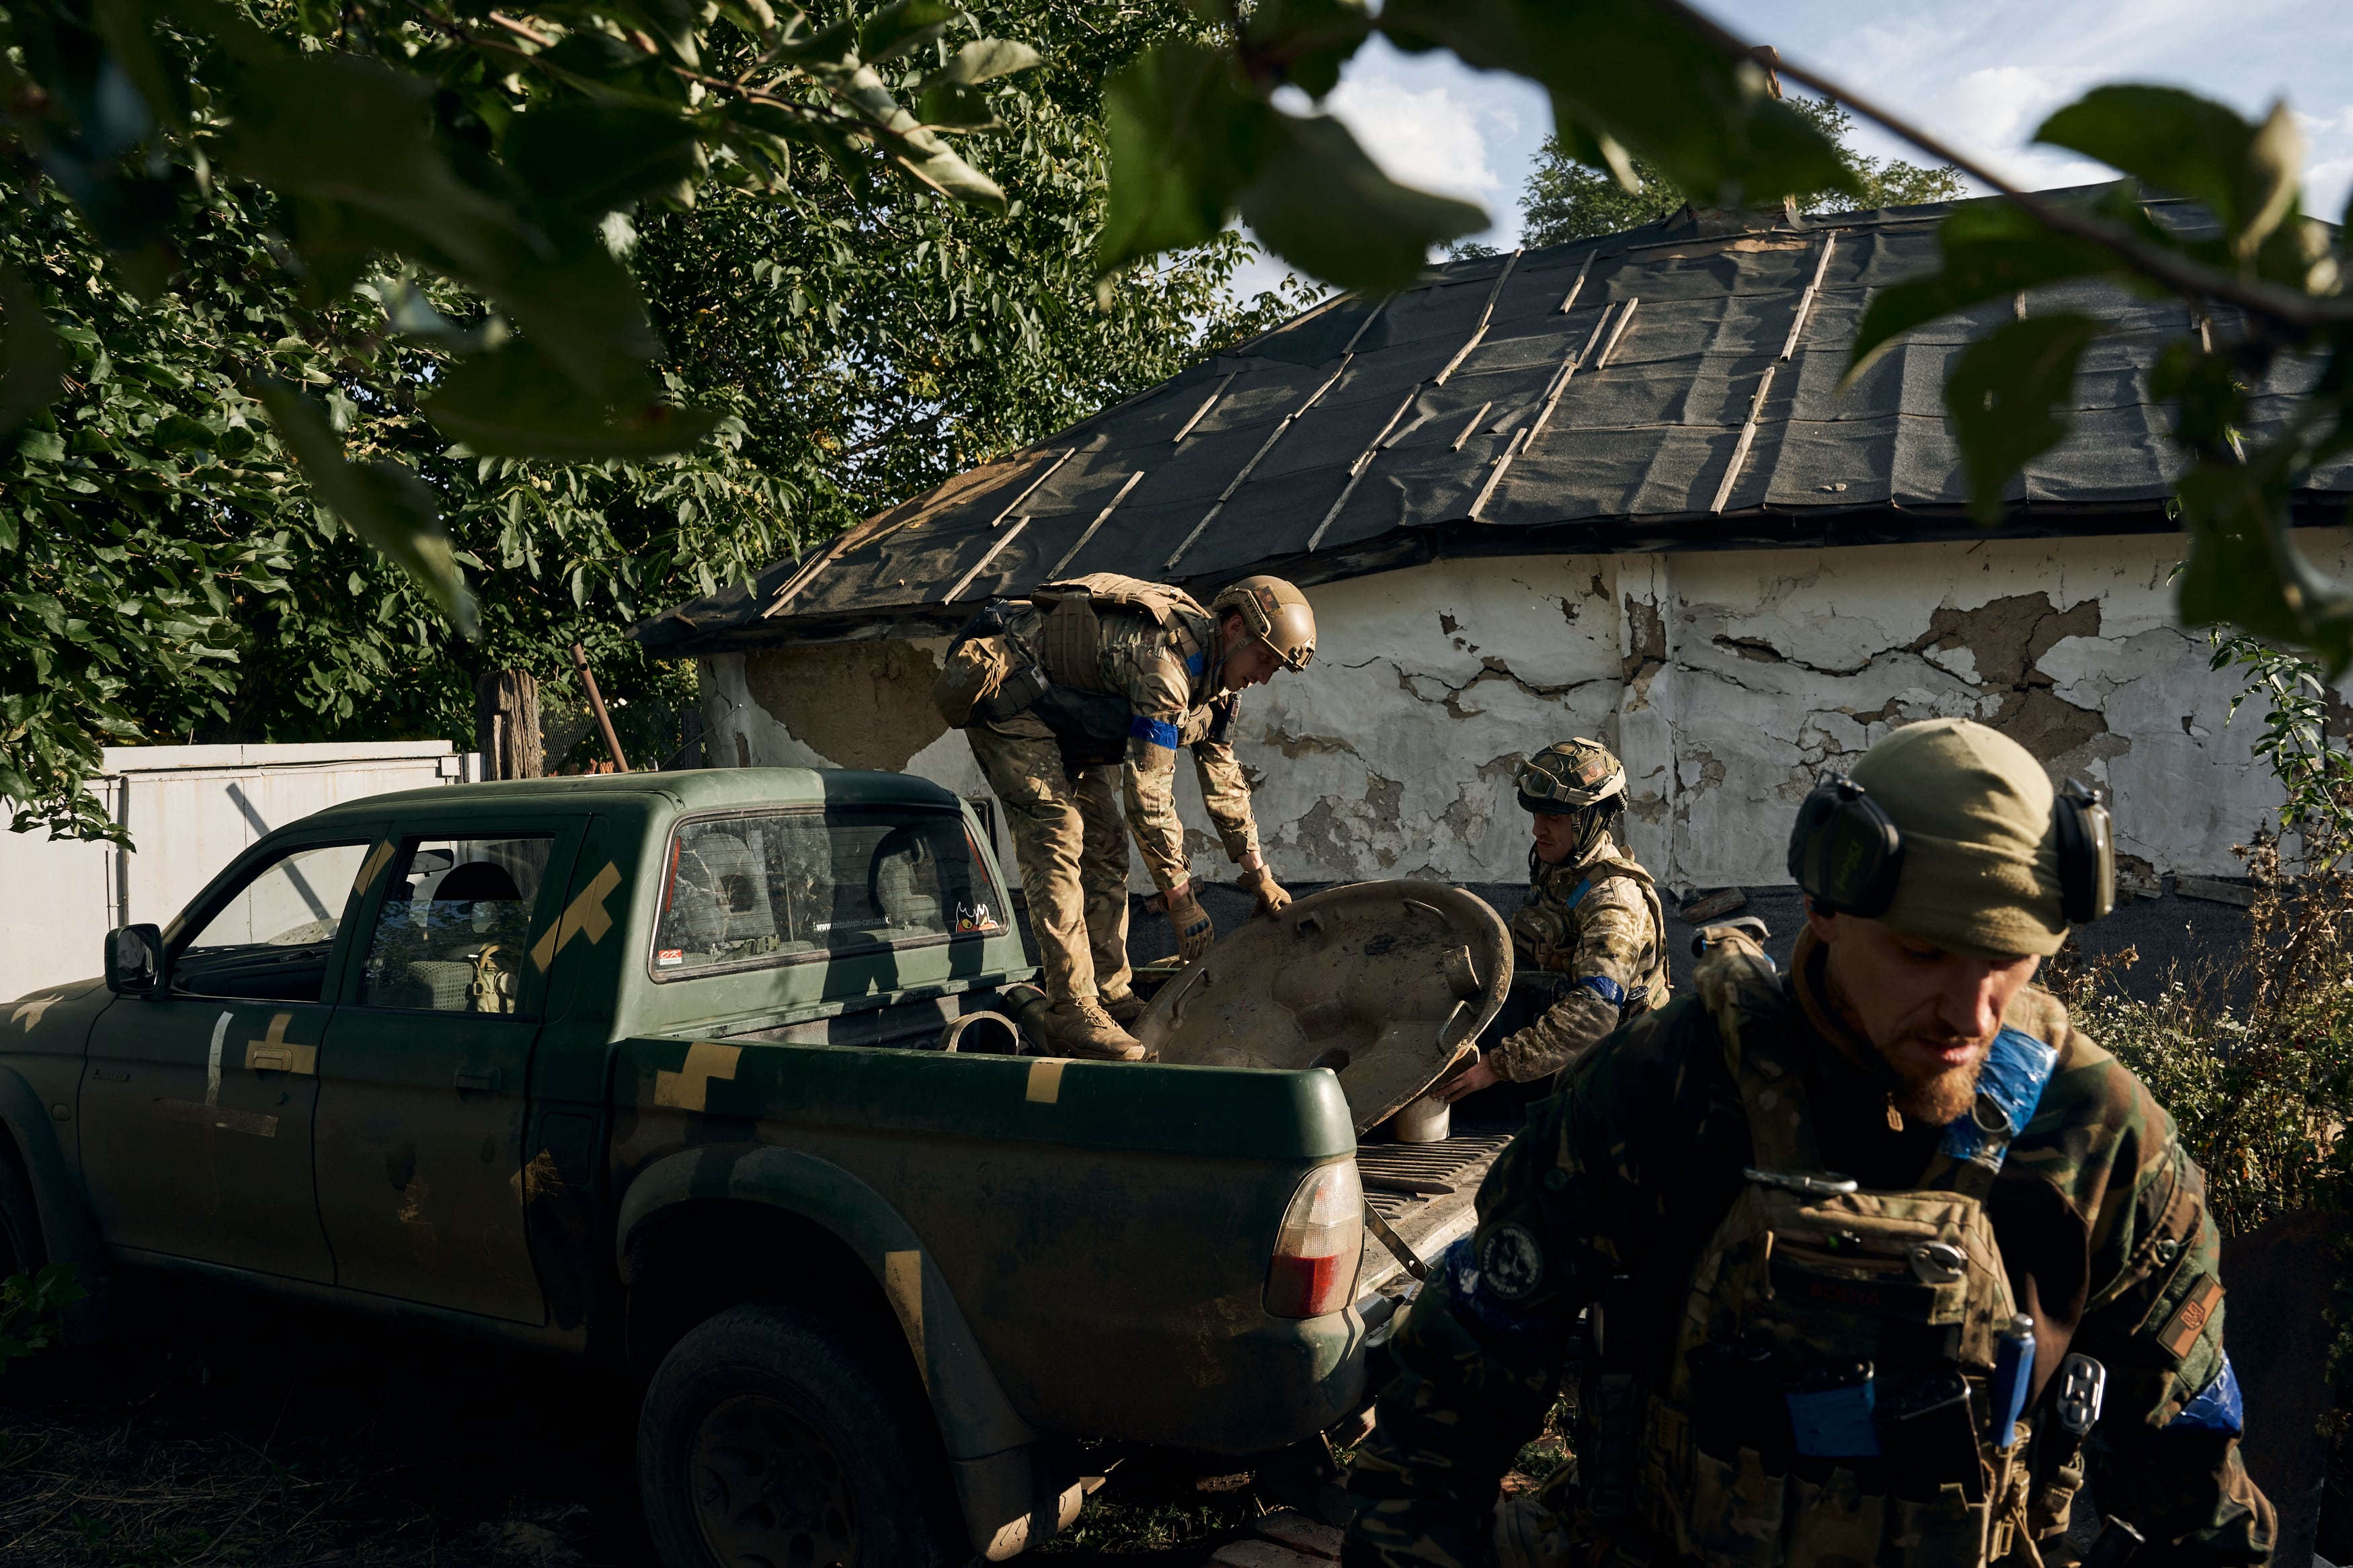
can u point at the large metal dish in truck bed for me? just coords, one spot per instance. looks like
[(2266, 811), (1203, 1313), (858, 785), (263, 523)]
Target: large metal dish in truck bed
[(1387, 984)]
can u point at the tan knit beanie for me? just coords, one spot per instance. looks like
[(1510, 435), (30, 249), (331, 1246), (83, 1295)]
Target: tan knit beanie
[(1981, 853)]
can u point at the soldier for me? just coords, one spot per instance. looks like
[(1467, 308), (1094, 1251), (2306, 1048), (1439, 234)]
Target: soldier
[(1102, 863), (1107, 673), (1879, 1254), (1590, 918)]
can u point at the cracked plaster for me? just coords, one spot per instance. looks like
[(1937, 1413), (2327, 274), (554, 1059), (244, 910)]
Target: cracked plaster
[(1726, 679)]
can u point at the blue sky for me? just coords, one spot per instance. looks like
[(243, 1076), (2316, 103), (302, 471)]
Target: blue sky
[(1982, 74)]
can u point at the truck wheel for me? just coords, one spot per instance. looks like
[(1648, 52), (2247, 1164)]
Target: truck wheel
[(770, 1436)]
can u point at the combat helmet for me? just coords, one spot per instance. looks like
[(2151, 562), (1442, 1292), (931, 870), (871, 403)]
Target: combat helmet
[(1568, 776), (1273, 612)]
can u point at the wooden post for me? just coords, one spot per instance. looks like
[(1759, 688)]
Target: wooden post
[(506, 725), (597, 706)]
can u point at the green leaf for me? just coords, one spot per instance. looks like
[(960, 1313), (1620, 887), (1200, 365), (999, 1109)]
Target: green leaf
[(2193, 146), (916, 150), (1698, 107), (2209, 401), (1992, 250), (592, 159), (900, 27), (32, 360), (2245, 566), (1321, 204), (354, 140), (514, 403), (1184, 139), (985, 59), (952, 106), (382, 501), (2009, 396), (1308, 40), (1595, 148)]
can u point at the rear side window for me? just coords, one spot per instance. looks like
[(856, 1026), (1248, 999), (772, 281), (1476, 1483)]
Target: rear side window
[(779, 887)]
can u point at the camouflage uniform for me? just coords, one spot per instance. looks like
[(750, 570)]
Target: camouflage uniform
[(1598, 923), (1102, 867), (1165, 674), (1615, 1190)]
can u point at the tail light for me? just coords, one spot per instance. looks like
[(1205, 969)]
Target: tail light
[(1320, 1244)]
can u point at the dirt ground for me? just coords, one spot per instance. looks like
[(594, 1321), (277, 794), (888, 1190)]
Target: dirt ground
[(228, 1431)]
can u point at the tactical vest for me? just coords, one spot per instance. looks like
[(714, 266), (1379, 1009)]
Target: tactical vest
[(1840, 1388), (1547, 922), (1047, 659)]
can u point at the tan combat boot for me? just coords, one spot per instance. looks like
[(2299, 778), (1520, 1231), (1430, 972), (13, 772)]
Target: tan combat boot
[(1082, 1027), (1124, 1009)]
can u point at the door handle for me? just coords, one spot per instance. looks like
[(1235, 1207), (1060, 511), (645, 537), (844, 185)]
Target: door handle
[(483, 1079)]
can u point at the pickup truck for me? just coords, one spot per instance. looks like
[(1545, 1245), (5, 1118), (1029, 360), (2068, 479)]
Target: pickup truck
[(707, 1073)]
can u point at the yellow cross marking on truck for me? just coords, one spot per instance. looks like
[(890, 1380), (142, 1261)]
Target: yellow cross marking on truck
[(30, 1011), (584, 913), (275, 1053), (1046, 1079), (689, 1089), (902, 1282), (372, 865)]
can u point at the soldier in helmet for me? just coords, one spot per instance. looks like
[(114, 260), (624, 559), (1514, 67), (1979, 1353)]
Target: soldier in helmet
[(1590, 922), (1877, 1259), (1102, 864), (1104, 677)]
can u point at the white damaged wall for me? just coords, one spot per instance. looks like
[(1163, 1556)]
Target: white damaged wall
[(1726, 679)]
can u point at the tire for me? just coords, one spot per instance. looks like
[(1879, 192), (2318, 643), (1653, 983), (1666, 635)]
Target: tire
[(771, 1438), (21, 1249)]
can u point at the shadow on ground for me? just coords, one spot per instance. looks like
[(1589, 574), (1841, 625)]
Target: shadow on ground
[(222, 1430)]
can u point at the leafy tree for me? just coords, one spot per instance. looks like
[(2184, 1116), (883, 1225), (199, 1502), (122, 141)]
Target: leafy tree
[(1565, 200), (170, 579)]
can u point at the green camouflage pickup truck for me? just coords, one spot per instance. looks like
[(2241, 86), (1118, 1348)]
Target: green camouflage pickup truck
[(707, 1073)]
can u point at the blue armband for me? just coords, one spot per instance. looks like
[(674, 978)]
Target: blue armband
[(1159, 731), (2217, 1407), (1609, 990)]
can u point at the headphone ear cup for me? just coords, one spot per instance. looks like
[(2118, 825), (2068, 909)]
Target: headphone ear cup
[(1845, 852), (1862, 857), (2087, 854)]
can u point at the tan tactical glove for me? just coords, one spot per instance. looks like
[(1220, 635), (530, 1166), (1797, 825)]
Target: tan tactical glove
[(1272, 898), (1193, 932)]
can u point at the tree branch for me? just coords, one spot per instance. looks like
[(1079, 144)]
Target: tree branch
[(2176, 272)]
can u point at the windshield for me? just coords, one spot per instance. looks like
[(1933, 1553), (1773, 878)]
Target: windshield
[(781, 886)]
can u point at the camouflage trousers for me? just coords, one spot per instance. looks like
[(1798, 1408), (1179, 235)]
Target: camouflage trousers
[(1102, 878), (1070, 839)]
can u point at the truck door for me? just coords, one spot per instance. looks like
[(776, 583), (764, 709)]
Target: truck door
[(423, 1078), (196, 1106)]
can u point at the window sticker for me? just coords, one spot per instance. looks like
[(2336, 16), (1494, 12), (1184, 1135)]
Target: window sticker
[(670, 957)]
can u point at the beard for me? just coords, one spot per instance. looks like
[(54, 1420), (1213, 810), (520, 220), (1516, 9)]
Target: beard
[(1935, 1096)]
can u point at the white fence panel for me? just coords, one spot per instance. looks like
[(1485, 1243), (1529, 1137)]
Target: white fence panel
[(190, 810)]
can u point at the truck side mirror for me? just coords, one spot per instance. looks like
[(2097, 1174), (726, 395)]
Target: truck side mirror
[(134, 960)]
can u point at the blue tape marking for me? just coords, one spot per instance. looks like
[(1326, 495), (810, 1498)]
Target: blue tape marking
[(1579, 891), (1835, 1423), (2016, 1071), (1159, 731), (1195, 664), (2217, 1408), (1609, 990)]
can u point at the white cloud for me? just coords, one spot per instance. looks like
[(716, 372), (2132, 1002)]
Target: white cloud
[(1428, 137)]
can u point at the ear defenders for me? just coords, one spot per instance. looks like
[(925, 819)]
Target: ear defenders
[(1847, 853)]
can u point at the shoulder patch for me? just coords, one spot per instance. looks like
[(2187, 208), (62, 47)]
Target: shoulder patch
[(1510, 1261)]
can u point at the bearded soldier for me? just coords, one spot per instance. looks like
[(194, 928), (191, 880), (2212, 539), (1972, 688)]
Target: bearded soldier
[(1102, 676), (1591, 921), (1880, 1255)]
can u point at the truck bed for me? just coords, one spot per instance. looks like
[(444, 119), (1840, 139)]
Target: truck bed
[(1428, 1220)]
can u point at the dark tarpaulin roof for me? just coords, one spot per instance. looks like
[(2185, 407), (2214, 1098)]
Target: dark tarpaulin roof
[(1672, 387)]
